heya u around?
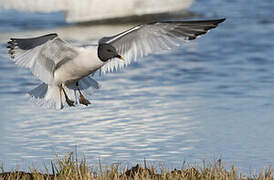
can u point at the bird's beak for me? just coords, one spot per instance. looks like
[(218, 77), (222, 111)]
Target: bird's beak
[(120, 57)]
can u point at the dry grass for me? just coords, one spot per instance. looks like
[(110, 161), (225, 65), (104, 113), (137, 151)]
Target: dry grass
[(70, 167)]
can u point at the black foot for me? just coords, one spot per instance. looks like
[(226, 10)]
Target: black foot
[(83, 100), (70, 102)]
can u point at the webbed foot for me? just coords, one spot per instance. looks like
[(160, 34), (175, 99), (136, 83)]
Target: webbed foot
[(83, 100), (69, 102)]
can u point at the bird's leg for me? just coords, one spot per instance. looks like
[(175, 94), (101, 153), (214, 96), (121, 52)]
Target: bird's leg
[(82, 99), (70, 102), (60, 91)]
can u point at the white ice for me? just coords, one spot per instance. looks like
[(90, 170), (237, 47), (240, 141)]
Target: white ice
[(90, 10)]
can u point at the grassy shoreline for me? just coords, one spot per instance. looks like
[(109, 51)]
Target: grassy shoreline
[(70, 167)]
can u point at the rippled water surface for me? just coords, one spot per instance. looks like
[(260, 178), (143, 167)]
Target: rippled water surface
[(211, 98)]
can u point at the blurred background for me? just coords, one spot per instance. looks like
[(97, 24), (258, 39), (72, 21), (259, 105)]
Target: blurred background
[(212, 98)]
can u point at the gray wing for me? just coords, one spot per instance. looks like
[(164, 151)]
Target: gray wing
[(41, 54), (156, 37)]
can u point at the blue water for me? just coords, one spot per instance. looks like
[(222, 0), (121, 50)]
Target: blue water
[(212, 98)]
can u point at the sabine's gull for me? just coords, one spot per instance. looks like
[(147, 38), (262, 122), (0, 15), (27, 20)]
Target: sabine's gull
[(65, 69)]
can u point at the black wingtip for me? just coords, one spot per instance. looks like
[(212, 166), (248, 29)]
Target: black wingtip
[(27, 43), (216, 21), (221, 20), (11, 45)]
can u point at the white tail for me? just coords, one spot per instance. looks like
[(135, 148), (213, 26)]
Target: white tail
[(47, 96), (50, 96)]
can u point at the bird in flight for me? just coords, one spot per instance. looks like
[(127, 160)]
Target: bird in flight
[(64, 69)]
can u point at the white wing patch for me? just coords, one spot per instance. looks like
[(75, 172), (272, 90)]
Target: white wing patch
[(153, 38)]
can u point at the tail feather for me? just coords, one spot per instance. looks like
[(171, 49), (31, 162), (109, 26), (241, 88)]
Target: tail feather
[(40, 91), (46, 96), (49, 95)]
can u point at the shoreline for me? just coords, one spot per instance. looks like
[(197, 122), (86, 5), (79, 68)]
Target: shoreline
[(70, 167)]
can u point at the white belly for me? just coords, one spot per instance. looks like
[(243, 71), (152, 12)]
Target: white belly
[(85, 63)]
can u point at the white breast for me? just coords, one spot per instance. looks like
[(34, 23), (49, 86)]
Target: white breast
[(85, 63)]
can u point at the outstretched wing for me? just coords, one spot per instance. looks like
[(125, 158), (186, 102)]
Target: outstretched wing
[(41, 54), (153, 38)]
